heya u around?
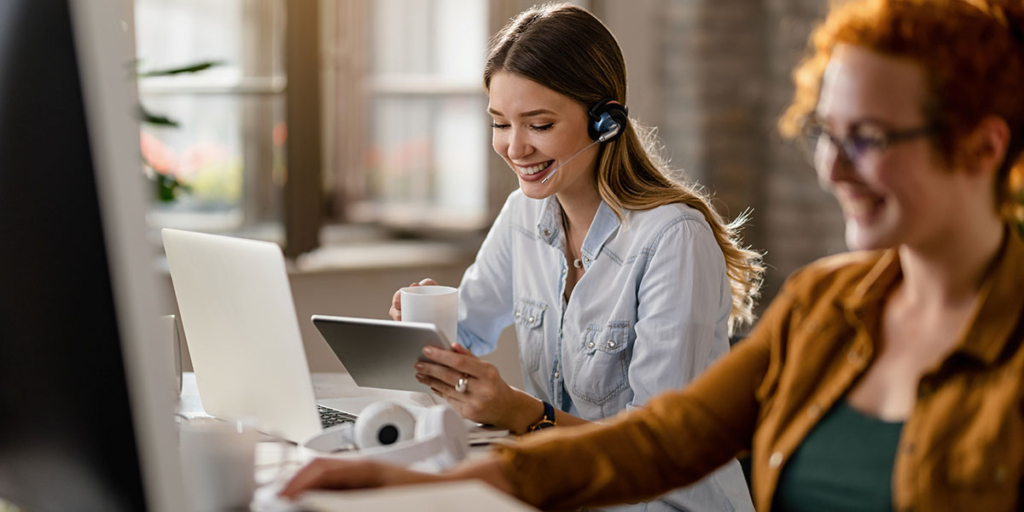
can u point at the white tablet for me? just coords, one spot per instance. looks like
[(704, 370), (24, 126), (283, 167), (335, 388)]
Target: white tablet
[(380, 353)]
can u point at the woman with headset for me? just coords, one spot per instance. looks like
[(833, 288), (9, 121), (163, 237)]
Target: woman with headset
[(886, 379), (622, 282)]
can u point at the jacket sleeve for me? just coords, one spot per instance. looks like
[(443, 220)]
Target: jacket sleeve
[(485, 294), (675, 440)]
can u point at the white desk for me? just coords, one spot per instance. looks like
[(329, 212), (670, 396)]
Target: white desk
[(272, 459)]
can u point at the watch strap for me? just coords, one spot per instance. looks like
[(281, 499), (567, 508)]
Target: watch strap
[(546, 421)]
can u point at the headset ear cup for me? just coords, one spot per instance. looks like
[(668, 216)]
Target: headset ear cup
[(603, 115), (383, 424), (442, 424)]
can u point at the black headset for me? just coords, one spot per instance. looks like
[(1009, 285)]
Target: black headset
[(608, 120)]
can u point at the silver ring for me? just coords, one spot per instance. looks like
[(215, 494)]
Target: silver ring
[(461, 385)]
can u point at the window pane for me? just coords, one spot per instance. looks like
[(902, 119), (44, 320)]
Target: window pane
[(228, 153), (447, 38), (246, 36), (429, 151), (429, 135)]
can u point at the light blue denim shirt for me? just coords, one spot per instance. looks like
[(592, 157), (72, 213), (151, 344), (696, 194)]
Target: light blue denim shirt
[(650, 313)]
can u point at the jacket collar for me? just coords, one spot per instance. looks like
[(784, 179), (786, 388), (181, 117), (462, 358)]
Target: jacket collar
[(996, 310), (999, 305)]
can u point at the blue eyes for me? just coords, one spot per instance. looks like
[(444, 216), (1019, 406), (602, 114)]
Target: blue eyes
[(537, 128)]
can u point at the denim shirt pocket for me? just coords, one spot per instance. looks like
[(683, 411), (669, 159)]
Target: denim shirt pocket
[(529, 319), (602, 363)]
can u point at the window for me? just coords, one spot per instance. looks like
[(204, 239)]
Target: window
[(228, 150), (422, 136), (318, 111)]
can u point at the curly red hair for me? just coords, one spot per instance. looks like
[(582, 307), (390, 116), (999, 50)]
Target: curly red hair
[(972, 53)]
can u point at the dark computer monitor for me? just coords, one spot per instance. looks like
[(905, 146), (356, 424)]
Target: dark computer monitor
[(86, 420)]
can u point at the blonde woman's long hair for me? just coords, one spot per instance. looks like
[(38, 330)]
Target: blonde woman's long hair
[(565, 48)]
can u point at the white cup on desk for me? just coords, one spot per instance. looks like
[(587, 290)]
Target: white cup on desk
[(218, 464), (438, 305)]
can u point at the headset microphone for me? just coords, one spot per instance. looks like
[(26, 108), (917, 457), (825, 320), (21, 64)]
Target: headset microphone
[(613, 130)]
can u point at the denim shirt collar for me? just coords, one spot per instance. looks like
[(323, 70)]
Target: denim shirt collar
[(604, 225)]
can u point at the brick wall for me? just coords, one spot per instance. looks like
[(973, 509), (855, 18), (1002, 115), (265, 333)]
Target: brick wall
[(803, 222), (722, 71)]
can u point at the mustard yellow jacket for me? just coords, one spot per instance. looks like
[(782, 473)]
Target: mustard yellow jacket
[(961, 448)]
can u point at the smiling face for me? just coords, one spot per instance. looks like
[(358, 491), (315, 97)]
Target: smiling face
[(537, 129), (900, 194)]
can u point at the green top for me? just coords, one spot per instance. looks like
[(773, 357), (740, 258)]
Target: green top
[(844, 464)]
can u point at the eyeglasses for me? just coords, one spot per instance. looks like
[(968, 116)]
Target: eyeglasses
[(858, 143)]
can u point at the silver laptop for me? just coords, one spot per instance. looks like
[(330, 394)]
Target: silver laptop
[(243, 335)]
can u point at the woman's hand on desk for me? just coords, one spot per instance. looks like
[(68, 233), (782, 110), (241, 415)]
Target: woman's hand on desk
[(396, 300), (346, 474), (485, 398)]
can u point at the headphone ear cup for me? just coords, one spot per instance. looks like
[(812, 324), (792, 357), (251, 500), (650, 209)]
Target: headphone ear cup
[(383, 424), (441, 424), (603, 115)]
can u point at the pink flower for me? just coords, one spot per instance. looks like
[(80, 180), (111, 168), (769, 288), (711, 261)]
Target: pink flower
[(160, 156)]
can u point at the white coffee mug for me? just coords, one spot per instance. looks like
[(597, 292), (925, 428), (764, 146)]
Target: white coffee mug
[(438, 305), (218, 463)]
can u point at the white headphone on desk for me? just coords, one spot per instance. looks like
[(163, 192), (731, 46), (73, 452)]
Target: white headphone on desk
[(388, 432)]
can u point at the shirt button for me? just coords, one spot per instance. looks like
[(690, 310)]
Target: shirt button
[(853, 356), (517, 315), (530, 319), (547, 232), (587, 259), (909, 448), (813, 411), (775, 461), (590, 345), (611, 344), (557, 374)]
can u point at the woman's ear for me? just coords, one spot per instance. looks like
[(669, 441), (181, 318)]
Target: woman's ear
[(984, 149)]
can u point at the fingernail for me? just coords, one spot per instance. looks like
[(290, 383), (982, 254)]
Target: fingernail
[(418, 366), (429, 350)]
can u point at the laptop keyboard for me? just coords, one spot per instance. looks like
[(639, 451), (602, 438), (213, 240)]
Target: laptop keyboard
[(331, 417)]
